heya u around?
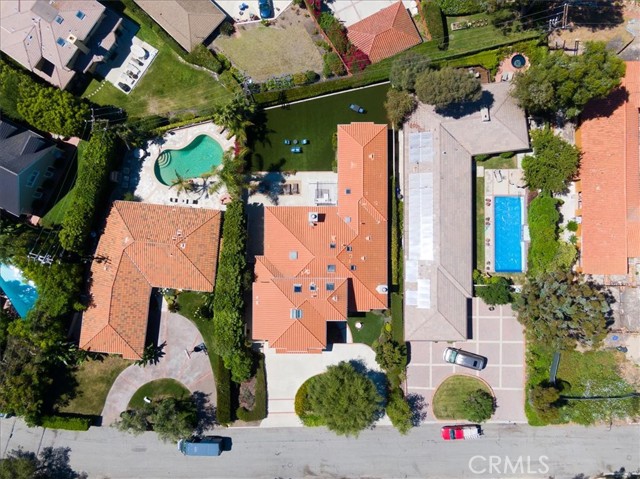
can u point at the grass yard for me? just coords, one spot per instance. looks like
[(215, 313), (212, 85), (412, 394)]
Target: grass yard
[(314, 120), (480, 224), (450, 396), (158, 389), (498, 162), (55, 215), (372, 324), (94, 378), (397, 318), (170, 84), (264, 52)]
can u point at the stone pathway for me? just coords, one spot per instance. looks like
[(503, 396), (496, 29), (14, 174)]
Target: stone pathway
[(193, 370)]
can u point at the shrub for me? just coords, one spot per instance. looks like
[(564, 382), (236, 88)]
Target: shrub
[(223, 391), (493, 289), (204, 57), (69, 423), (572, 226), (303, 408), (93, 174), (332, 65), (227, 28), (399, 105), (507, 154), (230, 82), (545, 400), (399, 412), (406, 68), (482, 157), (447, 86), (435, 21), (311, 76), (460, 7), (356, 59), (479, 406), (259, 410)]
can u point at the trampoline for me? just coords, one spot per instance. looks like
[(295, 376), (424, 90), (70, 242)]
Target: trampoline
[(518, 61)]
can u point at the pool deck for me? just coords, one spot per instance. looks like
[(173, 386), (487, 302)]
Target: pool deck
[(501, 182), (151, 190)]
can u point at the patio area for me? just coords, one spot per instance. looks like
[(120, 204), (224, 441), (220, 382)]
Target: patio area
[(506, 69), (150, 189), (251, 12), (302, 188)]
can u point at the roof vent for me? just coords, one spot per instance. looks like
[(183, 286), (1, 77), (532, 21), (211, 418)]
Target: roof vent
[(313, 217), (382, 289), (183, 245), (72, 38), (334, 297)]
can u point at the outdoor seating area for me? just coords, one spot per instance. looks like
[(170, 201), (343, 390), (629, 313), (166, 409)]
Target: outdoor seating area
[(510, 65), (130, 66), (295, 142)]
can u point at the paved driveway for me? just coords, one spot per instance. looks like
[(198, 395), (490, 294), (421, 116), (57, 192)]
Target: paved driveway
[(194, 370), (287, 372), (498, 336)]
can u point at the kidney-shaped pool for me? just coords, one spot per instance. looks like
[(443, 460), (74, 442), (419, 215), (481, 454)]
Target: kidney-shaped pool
[(200, 156)]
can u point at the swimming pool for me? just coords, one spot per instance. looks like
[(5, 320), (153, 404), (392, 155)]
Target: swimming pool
[(203, 154), (22, 294), (508, 234)]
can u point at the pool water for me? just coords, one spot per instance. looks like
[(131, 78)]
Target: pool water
[(22, 293), (518, 61), (508, 234), (200, 156)]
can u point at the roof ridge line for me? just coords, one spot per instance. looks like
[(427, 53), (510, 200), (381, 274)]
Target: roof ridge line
[(188, 258), (293, 234)]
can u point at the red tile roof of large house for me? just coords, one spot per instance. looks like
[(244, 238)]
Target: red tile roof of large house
[(385, 33), (609, 173), (321, 262), (145, 246)]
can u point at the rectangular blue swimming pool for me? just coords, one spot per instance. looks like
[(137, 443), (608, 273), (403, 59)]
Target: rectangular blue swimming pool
[(22, 293), (508, 234)]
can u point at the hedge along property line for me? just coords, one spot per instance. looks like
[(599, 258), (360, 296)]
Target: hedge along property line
[(435, 22), (223, 390), (69, 423), (378, 73), (259, 410), (93, 174)]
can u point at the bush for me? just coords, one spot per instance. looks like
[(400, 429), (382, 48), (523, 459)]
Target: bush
[(406, 68), (399, 105), (223, 391), (493, 289), (332, 65), (93, 174), (545, 400), (572, 226), (356, 59), (303, 408), (435, 21), (227, 28), (447, 86), (259, 410), (205, 58), (312, 76), (230, 82), (460, 7), (69, 423), (507, 154), (335, 32), (479, 406), (399, 412)]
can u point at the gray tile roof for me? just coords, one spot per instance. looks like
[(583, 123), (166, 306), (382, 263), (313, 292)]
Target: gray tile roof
[(19, 147)]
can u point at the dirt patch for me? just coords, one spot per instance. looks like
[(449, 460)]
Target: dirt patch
[(630, 372)]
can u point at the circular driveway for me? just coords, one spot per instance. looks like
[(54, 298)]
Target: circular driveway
[(193, 369)]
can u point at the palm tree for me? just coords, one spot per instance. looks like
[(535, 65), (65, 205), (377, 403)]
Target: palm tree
[(181, 184), (236, 116), (231, 174)]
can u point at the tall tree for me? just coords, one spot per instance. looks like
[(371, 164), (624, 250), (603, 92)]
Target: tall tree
[(446, 86), (553, 164), (51, 463), (399, 105), (231, 174), (560, 310), (236, 116), (563, 83), (345, 399)]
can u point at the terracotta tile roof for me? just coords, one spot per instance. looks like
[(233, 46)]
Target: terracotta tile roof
[(609, 140), (385, 33), (145, 246), (320, 271)]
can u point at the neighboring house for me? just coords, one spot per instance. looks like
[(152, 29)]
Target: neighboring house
[(145, 246), (439, 206), (59, 38), (26, 161), (385, 33), (610, 181), (189, 22), (320, 263)]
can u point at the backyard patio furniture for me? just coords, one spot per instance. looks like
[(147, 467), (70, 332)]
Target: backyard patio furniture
[(305, 142), (356, 108), (296, 149), (287, 142)]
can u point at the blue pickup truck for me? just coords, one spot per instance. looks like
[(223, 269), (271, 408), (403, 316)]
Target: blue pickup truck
[(207, 446)]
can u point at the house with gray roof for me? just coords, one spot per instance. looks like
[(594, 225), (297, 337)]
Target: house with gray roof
[(189, 22), (26, 163), (58, 39), (439, 206)]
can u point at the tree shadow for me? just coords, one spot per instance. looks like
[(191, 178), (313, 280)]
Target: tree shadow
[(418, 405), (597, 13), (51, 462), (460, 110), (604, 108), (205, 412)]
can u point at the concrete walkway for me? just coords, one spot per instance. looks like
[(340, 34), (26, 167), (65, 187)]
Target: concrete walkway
[(194, 370)]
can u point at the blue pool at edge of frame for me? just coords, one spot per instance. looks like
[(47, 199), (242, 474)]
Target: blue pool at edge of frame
[(508, 234)]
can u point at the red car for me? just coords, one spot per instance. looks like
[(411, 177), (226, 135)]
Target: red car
[(467, 431)]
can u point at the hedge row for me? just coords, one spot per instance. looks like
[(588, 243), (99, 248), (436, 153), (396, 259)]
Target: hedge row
[(436, 23), (93, 174), (69, 423), (43, 107), (259, 410), (228, 301), (223, 390)]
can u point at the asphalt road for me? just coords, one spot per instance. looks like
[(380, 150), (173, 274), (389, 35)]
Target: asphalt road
[(505, 451)]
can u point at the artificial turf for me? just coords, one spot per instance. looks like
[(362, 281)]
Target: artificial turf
[(315, 120)]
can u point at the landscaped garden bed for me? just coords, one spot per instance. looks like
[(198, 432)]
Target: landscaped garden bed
[(449, 399)]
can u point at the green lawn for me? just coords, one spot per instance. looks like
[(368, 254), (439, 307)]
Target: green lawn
[(95, 378), (450, 396), (397, 318), (316, 121), (158, 389), (55, 215), (480, 223), (372, 324), (170, 84), (497, 162)]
